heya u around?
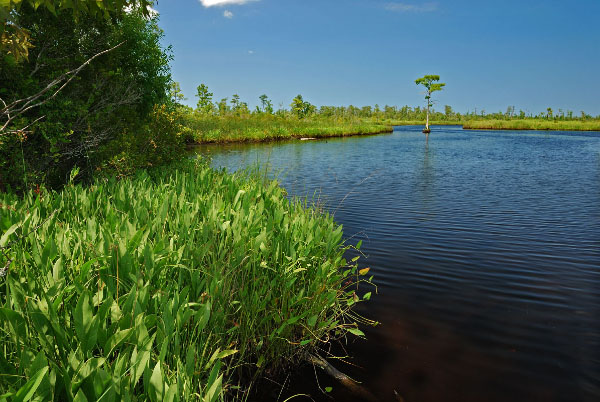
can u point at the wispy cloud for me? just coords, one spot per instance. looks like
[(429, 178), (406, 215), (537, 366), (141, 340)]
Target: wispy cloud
[(250, 51), (228, 14), (221, 3), (412, 8)]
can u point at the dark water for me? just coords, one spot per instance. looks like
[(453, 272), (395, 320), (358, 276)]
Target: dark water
[(485, 247)]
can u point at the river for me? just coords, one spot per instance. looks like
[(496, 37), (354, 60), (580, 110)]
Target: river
[(485, 246)]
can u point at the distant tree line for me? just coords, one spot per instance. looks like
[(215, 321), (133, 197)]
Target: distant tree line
[(300, 108)]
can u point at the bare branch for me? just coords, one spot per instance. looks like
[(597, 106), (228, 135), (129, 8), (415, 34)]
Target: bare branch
[(20, 106)]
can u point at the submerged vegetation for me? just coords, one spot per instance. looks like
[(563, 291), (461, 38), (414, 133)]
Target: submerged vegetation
[(178, 284)]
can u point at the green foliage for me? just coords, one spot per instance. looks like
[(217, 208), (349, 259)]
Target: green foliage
[(160, 141), (532, 124), (262, 127), (428, 81), (205, 104), (15, 39), (302, 108), (176, 94), (112, 96), (266, 104), (165, 287)]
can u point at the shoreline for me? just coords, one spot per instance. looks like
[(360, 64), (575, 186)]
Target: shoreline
[(533, 125), (315, 136)]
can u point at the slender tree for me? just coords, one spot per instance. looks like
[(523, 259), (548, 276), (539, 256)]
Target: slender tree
[(205, 105), (267, 105), (175, 93), (430, 84)]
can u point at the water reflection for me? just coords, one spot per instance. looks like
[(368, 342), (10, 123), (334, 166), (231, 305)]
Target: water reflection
[(486, 250)]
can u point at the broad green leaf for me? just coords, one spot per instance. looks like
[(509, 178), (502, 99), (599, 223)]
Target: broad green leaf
[(5, 235), (80, 397), (355, 331), (26, 392), (157, 386), (116, 340)]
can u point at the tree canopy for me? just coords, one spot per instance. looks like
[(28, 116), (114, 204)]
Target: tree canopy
[(111, 99), (428, 81), (15, 39)]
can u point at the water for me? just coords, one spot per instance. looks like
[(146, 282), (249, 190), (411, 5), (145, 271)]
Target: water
[(485, 247)]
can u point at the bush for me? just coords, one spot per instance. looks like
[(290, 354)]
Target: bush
[(159, 142)]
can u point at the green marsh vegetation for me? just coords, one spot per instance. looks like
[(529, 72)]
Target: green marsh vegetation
[(513, 120), (534, 124), (233, 121), (175, 284)]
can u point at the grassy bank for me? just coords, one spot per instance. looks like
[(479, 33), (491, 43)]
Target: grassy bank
[(533, 124), (216, 129), (183, 284)]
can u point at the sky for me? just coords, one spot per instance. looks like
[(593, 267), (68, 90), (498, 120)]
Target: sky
[(530, 54)]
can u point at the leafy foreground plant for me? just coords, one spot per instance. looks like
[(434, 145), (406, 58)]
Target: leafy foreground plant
[(175, 285)]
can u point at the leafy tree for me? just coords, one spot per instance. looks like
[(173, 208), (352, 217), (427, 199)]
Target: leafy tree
[(15, 39), (204, 105), (266, 104), (301, 108), (235, 102), (549, 112), (448, 112), (175, 93), (243, 109), (222, 107), (431, 85), (114, 94)]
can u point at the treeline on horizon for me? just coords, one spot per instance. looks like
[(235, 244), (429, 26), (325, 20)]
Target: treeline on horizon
[(301, 109)]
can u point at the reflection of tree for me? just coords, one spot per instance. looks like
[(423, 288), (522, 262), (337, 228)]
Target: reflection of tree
[(426, 182)]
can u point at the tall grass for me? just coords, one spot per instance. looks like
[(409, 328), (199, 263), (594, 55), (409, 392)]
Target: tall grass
[(263, 128), (533, 124), (178, 285)]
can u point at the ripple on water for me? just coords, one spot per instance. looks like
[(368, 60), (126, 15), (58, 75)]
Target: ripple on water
[(486, 250)]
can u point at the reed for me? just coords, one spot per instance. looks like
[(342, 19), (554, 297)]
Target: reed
[(177, 284)]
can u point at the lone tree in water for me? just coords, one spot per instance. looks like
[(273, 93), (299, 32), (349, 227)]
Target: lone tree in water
[(428, 82)]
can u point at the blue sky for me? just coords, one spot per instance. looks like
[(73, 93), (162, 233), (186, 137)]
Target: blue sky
[(532, 54)]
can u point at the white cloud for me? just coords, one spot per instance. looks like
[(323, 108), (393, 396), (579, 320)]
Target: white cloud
[(250, 51), (412, 8), (221, 3), (228, 14)]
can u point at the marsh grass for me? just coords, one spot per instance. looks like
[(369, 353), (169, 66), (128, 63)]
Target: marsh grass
[(175, 285), (264, 128), (533, 124)]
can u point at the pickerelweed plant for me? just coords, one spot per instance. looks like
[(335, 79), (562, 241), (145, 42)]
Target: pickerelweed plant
[(175, 285)]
